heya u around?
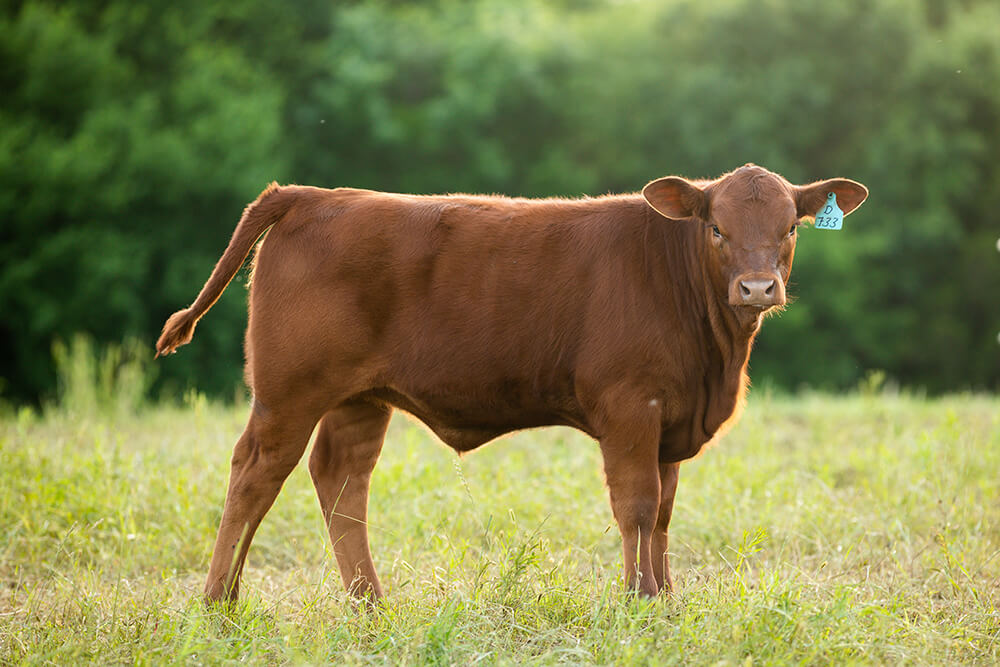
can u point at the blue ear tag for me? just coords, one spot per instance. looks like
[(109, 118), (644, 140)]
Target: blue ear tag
[(830, 216)]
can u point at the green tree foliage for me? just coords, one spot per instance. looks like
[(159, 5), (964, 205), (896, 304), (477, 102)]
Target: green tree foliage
[(132, 134)]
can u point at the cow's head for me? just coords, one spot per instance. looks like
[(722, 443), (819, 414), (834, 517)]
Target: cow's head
[(749, 219)]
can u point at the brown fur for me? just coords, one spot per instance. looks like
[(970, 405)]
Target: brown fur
[(624, 316)]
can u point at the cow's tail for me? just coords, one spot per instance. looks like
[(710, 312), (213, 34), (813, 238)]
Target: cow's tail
[(258, 216)]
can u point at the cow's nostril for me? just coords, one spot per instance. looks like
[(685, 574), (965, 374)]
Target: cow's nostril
[(757, 292)]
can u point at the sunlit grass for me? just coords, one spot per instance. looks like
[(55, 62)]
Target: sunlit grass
[(830, 530)]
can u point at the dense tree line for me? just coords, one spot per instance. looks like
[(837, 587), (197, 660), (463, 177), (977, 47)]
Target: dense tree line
[(132, 134)]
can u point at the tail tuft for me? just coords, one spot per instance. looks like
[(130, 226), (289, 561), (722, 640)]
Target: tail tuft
[(176, 332)]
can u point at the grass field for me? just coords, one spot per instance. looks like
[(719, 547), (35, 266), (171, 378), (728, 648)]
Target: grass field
[(860, 529)]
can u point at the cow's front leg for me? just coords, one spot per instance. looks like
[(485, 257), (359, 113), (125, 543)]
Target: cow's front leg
[(630, 464), (661, 541)]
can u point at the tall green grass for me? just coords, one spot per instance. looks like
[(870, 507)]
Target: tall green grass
[(822, 530), (112, 380)]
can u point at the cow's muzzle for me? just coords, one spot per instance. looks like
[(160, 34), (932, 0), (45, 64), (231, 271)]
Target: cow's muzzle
[(757, 289)]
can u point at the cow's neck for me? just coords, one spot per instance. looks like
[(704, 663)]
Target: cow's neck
[(731, 333), (732, 330)]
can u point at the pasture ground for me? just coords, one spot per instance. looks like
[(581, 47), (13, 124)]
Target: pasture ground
[(860, 529)]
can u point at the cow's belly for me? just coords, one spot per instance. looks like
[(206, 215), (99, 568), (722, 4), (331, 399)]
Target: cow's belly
[(463, 423)]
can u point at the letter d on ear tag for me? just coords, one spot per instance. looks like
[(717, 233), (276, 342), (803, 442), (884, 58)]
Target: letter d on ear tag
[(830, 216)]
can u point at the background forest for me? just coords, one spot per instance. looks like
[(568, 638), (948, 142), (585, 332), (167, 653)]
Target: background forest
[(133, 133)]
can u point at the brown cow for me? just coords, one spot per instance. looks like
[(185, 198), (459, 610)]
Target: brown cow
[(629, 317)]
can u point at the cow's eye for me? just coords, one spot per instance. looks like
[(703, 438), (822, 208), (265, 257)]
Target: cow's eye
[(715, 232), (791, 231)]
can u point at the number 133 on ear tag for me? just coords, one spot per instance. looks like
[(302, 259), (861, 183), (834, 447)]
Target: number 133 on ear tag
[(830, 216)]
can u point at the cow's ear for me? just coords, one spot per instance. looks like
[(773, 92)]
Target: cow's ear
[(676, 198), (809, 199)]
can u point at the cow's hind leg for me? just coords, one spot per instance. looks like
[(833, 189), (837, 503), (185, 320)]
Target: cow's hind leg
[(265, 454), (346, 450), (668, 488)]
